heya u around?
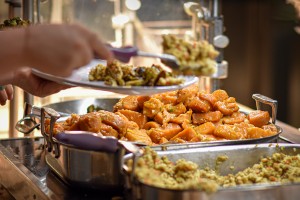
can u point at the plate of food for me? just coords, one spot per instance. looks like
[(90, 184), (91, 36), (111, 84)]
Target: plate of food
[(123, 79)]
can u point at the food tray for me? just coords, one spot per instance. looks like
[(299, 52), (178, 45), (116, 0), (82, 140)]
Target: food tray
[(79, 106), (80, 167), (240, 156)]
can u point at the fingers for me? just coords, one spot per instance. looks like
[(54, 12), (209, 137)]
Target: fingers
[(66, 48), (96, 44), (3, 97), (35, 85), (6, 93), (9, 91), (100, 49)]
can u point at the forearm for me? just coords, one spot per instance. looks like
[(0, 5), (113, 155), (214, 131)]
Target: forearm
[(12, 54)]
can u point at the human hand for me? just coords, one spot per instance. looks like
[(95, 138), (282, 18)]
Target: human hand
[(58, 49), (6, 93), (25, 79)]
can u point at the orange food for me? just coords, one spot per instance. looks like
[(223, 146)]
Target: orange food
[(198, 105), (167, 97), (134, 116), (151, 124), (207, 128), (220, 95), (183, 118), (167, 132), (208, 97), (259, 118), (141, 100), (212, 116), (185, 115), (152, 107), (186, 93), (228, 106), (107, 130), (138, 135), (176, 109), (228, 132), (128, 103), (187, 134), (255, 132), (236, 117), (90, 122)]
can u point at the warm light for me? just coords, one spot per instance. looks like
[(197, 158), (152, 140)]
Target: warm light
[(118, 21), (133, 4)]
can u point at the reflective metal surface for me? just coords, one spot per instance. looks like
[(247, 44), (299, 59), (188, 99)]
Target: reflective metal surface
[(80, 106), (25, 174), (89, 169), (239, 156)]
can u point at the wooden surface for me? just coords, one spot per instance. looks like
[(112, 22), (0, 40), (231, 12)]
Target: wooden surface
[(289, 133)]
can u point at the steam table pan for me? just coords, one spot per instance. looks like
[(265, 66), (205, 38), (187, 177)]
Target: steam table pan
[(101, 169), (239, 156)]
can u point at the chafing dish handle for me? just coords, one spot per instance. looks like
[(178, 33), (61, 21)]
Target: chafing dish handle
[(88, 141), (266, 100)]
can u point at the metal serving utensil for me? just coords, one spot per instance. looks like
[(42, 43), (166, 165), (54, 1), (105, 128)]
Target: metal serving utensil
[(125, 53)]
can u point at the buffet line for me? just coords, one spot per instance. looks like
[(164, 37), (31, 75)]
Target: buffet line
[(133, 148)]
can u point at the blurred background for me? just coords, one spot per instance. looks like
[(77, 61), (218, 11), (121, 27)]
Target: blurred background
[(263, 53)]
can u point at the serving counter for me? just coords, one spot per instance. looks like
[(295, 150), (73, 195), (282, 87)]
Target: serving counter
[(24, 173)]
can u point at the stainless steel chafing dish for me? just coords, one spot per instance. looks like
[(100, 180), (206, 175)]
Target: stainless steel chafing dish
[(98, 168), (241, 156), (84, 159), (85, 165)]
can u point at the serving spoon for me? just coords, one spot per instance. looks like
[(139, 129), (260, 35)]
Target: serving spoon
[(124, 54)]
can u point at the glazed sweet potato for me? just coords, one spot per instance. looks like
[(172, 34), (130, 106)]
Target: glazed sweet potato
[(208, 97), (127, 103), (259, 118), (141, 100), (139, 118), (186, 93), (207, 128), (90, 122), (176, 109), (167, 97), (220, 95), (107, 130), (236, 117), (227, 107), (255, 132), (197, 104), (118, 122), (151, 124), (228, 132), (183, 118), (152, 107), (138, 135), (212, 116), (186, 115), (167, 132), (72, 123), (187, 134)]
